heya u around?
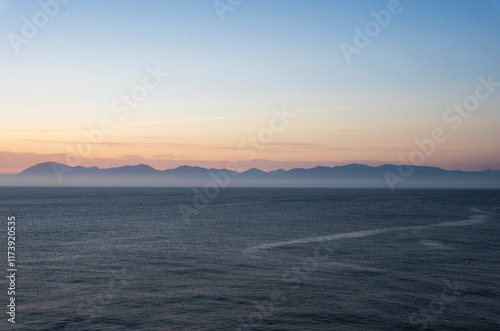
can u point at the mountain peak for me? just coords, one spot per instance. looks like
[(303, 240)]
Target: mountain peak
[(43, 168)]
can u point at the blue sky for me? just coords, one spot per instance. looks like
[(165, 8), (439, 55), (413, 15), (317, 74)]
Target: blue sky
[(264, 55)]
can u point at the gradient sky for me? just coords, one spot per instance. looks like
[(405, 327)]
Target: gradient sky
[(227, 76)]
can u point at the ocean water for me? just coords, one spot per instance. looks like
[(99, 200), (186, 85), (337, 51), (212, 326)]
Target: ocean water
[(253, 259)]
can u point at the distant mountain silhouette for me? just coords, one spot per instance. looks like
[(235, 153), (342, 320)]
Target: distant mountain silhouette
[(351, 175)]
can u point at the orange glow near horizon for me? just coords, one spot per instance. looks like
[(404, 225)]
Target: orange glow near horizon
[(308, 141)]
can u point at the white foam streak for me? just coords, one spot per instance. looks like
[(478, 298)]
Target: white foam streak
[(476, 219)]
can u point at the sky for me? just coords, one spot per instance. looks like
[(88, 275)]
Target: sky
[(270, 84)]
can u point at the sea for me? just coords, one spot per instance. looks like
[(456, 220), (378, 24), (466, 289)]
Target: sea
[(251, 259)]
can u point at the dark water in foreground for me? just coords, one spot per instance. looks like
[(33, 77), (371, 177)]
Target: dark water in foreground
[(253, 259)]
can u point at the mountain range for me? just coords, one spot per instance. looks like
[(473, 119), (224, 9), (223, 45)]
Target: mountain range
[(351, 175)]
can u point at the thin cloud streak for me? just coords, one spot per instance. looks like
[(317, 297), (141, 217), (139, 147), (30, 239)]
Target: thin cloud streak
[(232, 117), (41, 131), (180, 121)]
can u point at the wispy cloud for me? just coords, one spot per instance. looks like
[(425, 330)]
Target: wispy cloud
[(232, 117), (349, 131), (212, 118), (16, 132), (133, 144), (22, 132)]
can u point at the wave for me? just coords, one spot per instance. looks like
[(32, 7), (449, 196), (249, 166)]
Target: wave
[(434, 244), (350, 266)]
